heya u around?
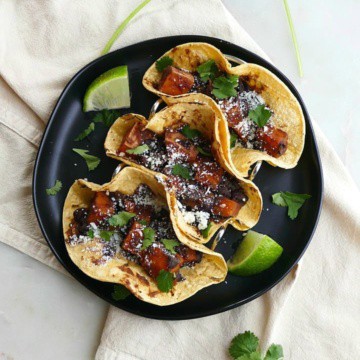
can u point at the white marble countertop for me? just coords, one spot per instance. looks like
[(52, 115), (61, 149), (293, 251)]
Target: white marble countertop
[(44, 314)]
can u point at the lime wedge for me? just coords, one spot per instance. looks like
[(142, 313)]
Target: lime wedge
[(108, 91), (256, 253)]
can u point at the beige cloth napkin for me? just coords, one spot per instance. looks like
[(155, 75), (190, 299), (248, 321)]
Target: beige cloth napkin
[(42, 45)]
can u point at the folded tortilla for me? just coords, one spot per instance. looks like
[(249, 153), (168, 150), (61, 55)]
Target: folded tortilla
[(119, 270), (287, 112), (201, 117)]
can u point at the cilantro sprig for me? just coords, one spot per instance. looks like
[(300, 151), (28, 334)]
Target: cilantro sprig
[(182, 171), (120, 293), (205, 232), (170, 245), (149, 237), (245, 346), (260, 116), (224, 86), (207, 70), (121, 219), (163, 63), (106, 117), (293, 201), (202, 151), (92, 161), (165, 281), (106, 235), (54, 189), (233, 138), (86, 132), (190, 133), (138, 150)]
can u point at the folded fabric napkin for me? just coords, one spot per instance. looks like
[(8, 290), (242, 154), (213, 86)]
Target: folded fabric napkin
[(43, 44)]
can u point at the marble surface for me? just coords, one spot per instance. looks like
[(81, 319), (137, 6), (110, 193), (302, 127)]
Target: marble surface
[(44, 314)]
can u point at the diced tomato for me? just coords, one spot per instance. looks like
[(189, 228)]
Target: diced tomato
[(208, 173), (154, 259), (101, 208), (175, 81), (178, 143), (135, 137), (226, 207), (133, 239), (274, 141)]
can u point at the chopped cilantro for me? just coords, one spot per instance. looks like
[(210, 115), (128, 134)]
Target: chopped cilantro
[(55, 189), (163, 63), (233, 138), (142, 222), (107, 117), (202, 151), (121, 218), (149, 237), (207, 70), (224, 87), (260, 116), (190, 133), (293, 201), (90, 233), (275, 352), (86, 132), (165, 281), (170, 244), (181, 170), (138, 150), (120, 292), (106, 234), (91, 161), (243, 344), (205, 232)]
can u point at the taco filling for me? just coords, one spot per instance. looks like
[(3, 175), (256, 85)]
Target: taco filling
[(135, 226), (204, 191), (248, 117)]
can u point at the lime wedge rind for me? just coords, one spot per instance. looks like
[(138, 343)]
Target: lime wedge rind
[(108, 91), (255, 254)]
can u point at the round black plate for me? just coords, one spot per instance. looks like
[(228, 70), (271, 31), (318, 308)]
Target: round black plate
[(56, 160)]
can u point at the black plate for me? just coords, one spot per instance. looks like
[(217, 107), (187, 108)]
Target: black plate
[(56, 160)]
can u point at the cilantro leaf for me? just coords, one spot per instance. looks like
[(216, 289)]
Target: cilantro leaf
[(260, 116), (293, 201), (165, 280), (170, 244), (120, 292), (190, 133), (149, 237), (243, 344), (142, 222), (275, 352), (205, 232), (224, 87), (207, 70), (121, 218), (55, 189), (138, 150), (233, 138), (253, 356), (106, 234), (92, 161), (202, 151), (107, 117), (90, 233), (181, 170), (163, 63), (86, 132)]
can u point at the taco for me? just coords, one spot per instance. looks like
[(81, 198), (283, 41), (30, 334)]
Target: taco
[(179, 146), (264, 118), (121, 232)]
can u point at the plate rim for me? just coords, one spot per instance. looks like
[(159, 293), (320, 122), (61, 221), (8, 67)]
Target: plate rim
[(181, 39)]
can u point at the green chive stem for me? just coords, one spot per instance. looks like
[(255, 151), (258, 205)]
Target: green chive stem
[(121, 27), (293, 35)]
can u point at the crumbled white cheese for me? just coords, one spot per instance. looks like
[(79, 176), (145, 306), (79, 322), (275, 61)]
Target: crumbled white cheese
[(202, 218)]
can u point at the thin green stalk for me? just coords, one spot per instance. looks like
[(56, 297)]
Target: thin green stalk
[(293, 35), (122, 26)]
